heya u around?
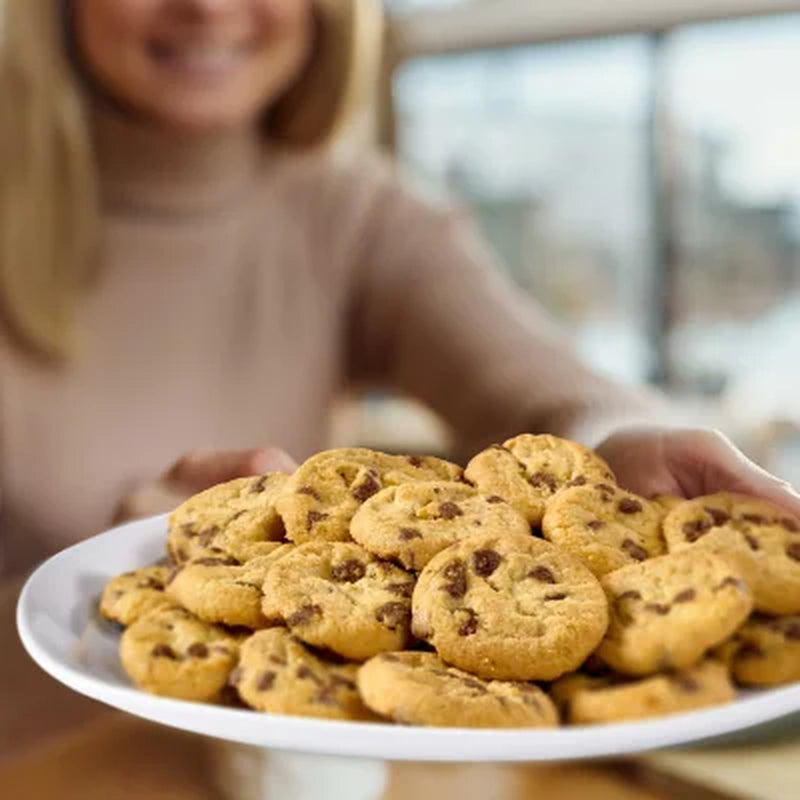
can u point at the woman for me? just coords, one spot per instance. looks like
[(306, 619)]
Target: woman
[(184, 264)]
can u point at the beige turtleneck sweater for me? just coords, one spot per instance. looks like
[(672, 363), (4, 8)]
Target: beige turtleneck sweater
[(241, 290)]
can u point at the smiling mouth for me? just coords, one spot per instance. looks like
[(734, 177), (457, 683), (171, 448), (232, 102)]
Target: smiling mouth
[(200, 62)]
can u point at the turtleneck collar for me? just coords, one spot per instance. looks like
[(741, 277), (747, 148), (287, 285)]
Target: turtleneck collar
[(145, 168)]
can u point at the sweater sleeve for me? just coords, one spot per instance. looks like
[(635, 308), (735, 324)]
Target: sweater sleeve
[(433, 316)]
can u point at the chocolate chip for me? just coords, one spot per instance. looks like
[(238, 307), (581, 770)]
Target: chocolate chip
[(400, 589), (791, 629), (415, 461), (685, 682), (543, 574), (313, 517), (455, 573), (495, 499), (631, 594), (450, 510), (204, 537), (685, 596), (259, 486), (629, 506), (579, 480), (394, 615), (793, 551), (368, 488), (163, 651), (304, 673), (181, 554), (753, 542), (635, 551), (696, 528), (485, 562), (755, 519), (198, 650), (407, 534), (731, 581), (470, 625), (348, 571), (657, 608), (265, 681), (749, 650), (556, 596), (303, 615), (276, 659), (542, 478), (227, 561), (718, 516), (595, 524), (790, 524), (152, 583), (310, 491), (606, 491)]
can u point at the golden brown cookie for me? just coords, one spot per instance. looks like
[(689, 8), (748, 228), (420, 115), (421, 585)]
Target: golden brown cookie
[(666, 613), (412, 522), (420, 689), (237, 518), (171, 653), (509, 607), (326, 491), (338, 596), (765, 651), (764, 539), (129, 596), (605, 526), (588, 700), (219, 591), (278, 673), (529, 469)]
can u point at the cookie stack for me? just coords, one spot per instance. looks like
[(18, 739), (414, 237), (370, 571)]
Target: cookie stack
[(526, 590)]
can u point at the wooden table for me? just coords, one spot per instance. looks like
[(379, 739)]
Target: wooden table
[(121, 758)]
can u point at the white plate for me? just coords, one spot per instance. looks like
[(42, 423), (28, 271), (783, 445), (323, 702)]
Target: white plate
[(60, 629)]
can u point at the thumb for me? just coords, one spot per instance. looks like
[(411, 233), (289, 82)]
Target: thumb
[(201, 469)]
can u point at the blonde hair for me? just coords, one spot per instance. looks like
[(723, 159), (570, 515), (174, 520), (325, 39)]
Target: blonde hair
[(48, 200)]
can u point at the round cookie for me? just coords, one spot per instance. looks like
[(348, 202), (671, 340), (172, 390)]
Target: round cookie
[(529, 469), (766, 651), (129, 596), (278, 673), (223, 591), (668, 611), (605, 526), (420, 689), (509, 607), (412, 522), (171, 653), (764, 539), (338, 596), (325, 491), (589, 700), (237, 517)]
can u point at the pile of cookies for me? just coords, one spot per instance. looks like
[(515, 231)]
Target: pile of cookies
[(526, 590)]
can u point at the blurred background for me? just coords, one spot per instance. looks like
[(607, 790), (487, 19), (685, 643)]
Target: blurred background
[(636, 167)]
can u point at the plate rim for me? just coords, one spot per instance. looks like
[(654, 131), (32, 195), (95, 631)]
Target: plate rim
[(388, 741)]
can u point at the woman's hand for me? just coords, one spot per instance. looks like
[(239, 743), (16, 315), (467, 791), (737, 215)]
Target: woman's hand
[(689, 463), (194, 472)]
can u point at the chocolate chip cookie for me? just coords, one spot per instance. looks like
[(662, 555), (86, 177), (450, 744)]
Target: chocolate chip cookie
[(588, 700), (171, 653), (277, 673), (605, 526), (765, 651), (130, 596), (412, 522), (509, 607), (326, 491), (216, 590), (528, 470), (420, 689), (237, 518), (338, 596), (763, 538), (666, 613)]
